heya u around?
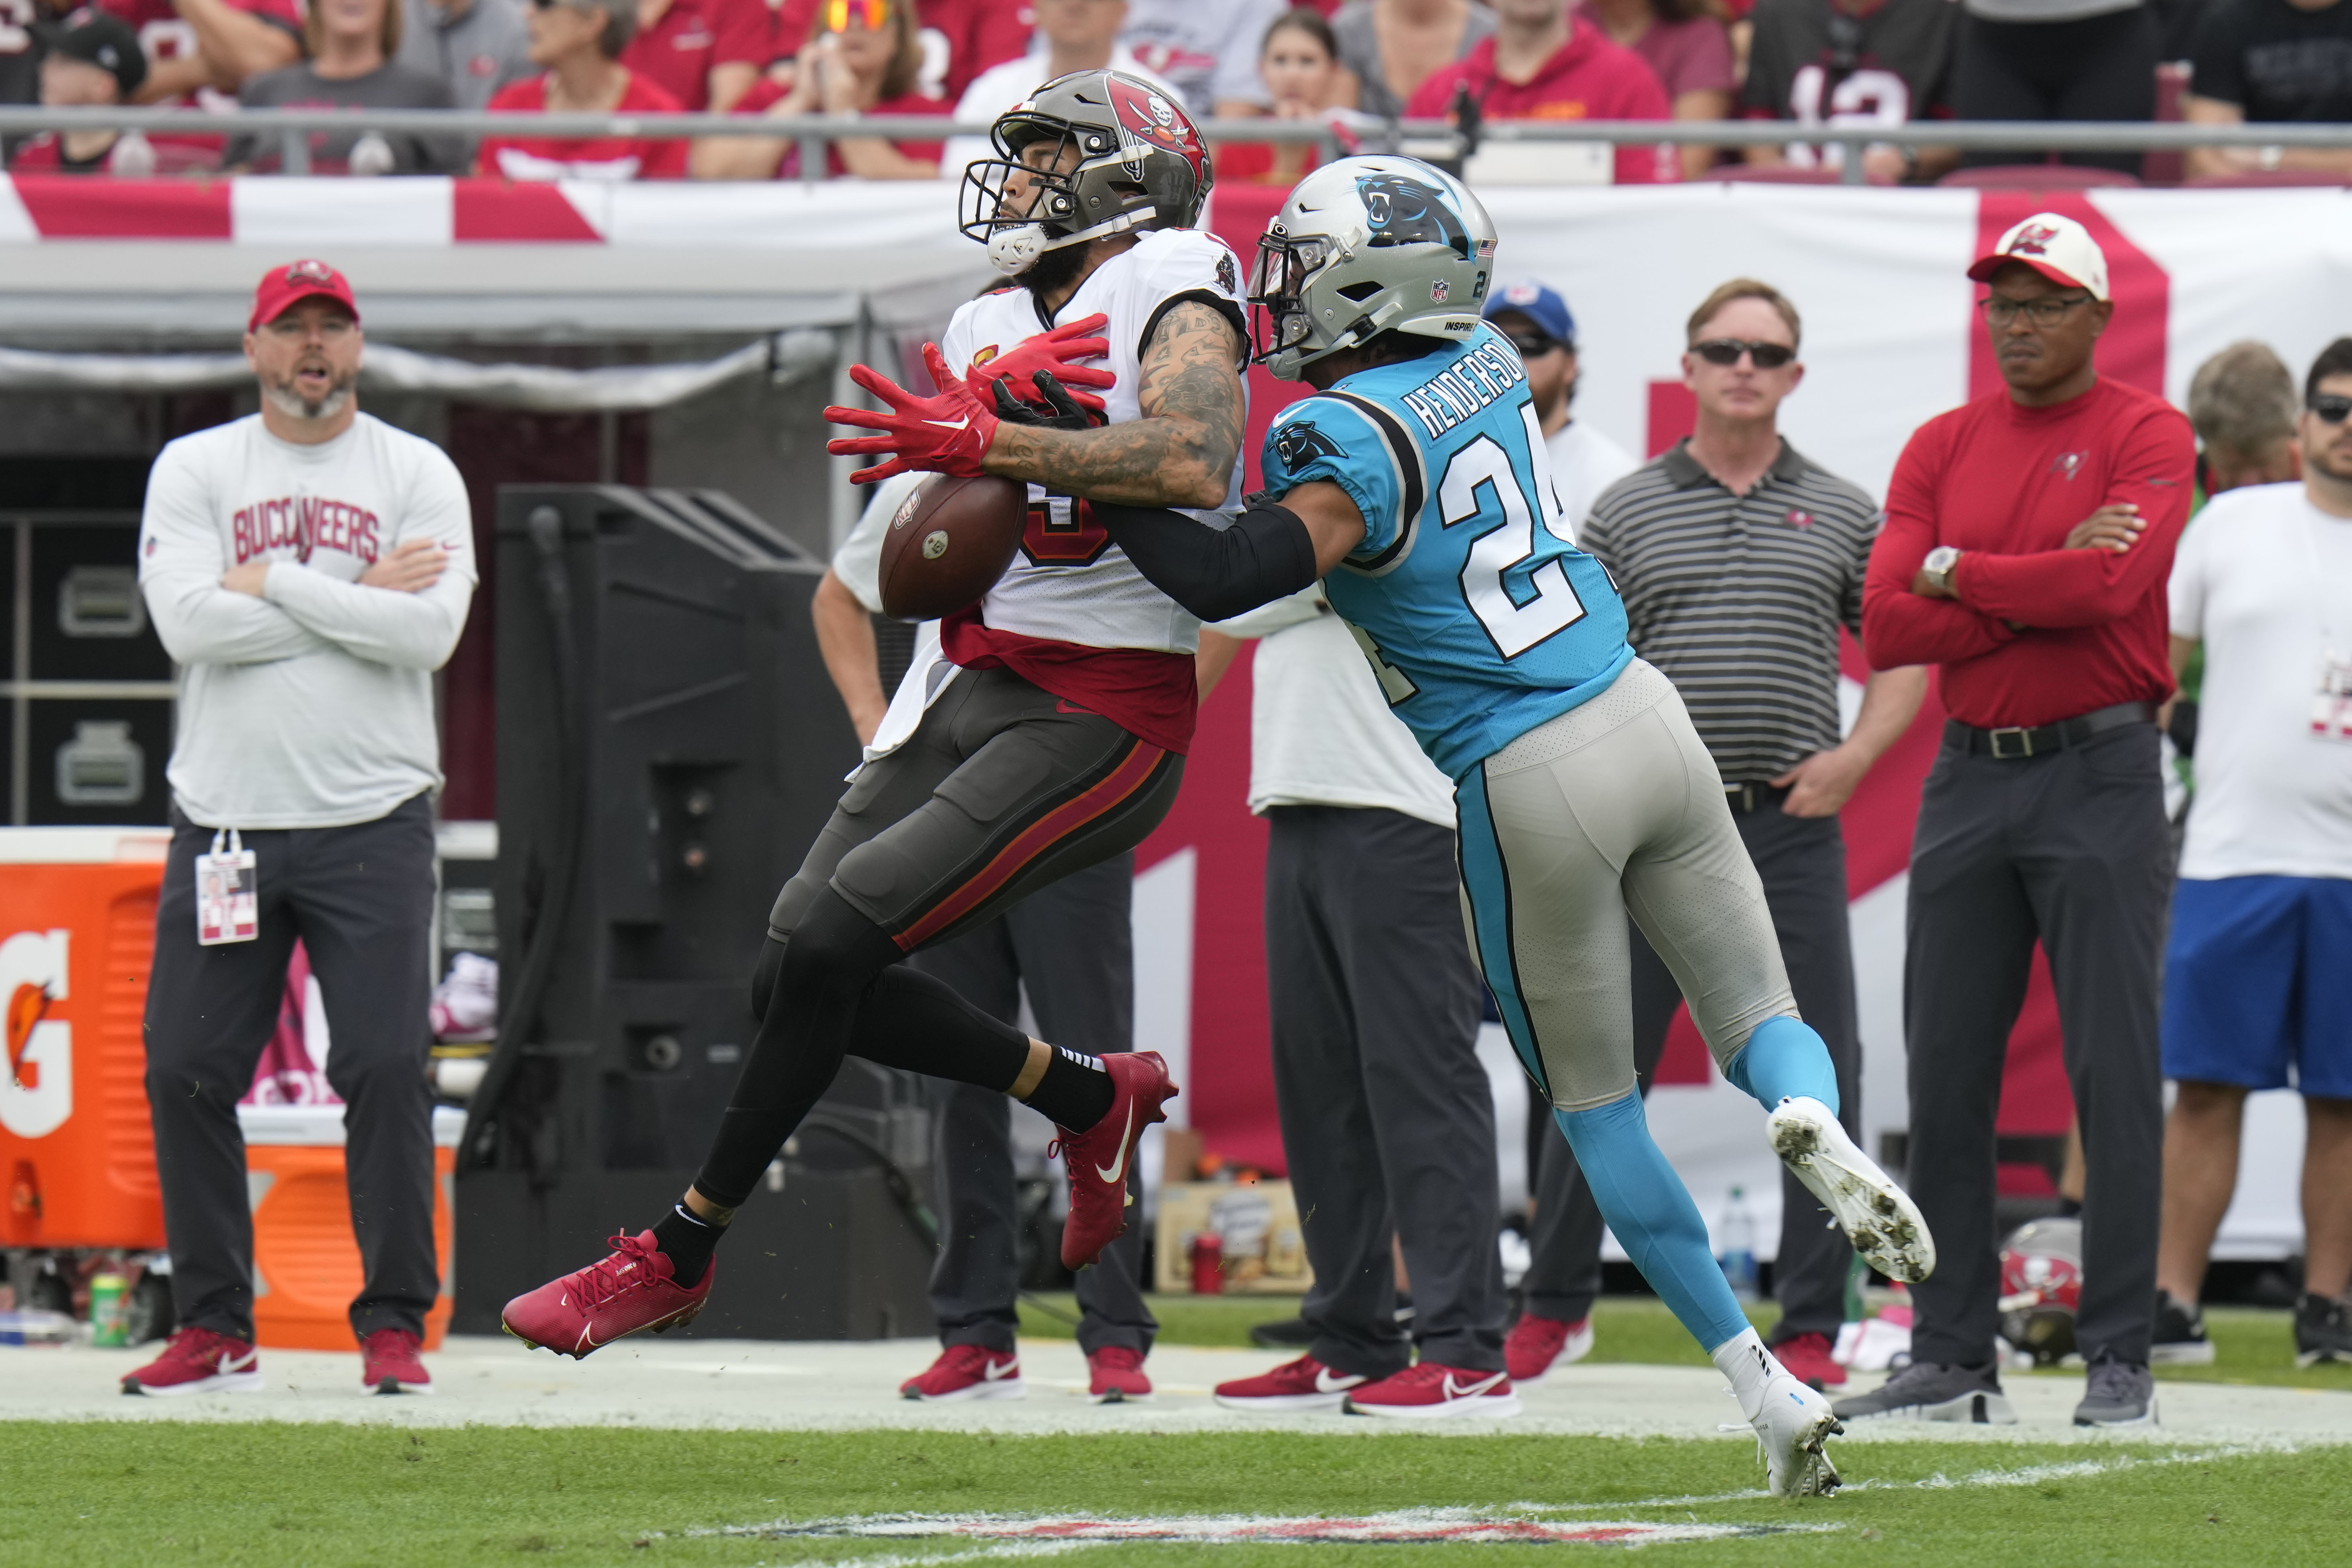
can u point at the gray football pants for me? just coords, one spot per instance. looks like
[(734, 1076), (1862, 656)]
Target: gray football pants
[(1802, 862), (1071, 944), (1387, 1121)]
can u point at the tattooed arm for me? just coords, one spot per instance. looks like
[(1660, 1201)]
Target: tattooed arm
[(1180, 454)]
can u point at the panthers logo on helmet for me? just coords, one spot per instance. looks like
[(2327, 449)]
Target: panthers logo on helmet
[(1405, 212), (1297, 444), (1147, 117)]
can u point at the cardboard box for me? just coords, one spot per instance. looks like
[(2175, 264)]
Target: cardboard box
[(1258, 1222)]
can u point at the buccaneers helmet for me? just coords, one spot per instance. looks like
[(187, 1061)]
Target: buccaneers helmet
[(2041, 1288), (1138, 164)]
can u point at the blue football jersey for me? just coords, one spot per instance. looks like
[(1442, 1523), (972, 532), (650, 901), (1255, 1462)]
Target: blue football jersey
[(1480, 619)]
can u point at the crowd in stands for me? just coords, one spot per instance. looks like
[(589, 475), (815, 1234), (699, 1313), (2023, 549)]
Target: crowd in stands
[(1350, 64)]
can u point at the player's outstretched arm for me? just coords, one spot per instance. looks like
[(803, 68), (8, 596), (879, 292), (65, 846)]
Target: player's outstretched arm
[(1274, 548)]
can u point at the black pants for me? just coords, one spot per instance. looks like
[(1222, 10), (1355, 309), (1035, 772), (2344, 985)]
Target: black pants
[(2071, 848), (1387, 1120), (1801, 861), (2096, 68), (361, 899), (1003, 789), (1072, 946)]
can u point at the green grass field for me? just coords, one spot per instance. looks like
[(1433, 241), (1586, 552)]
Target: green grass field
[(110, 1494)]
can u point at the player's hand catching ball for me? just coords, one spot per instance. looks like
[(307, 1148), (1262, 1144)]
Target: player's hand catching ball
[(412, 568), (1055, 353), (949, 433), (1060, 411)]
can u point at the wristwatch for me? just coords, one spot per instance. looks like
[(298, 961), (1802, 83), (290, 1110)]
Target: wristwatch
[(1938, 566)]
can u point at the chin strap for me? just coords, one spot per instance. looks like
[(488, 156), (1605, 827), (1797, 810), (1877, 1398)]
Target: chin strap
[(1014, 251)]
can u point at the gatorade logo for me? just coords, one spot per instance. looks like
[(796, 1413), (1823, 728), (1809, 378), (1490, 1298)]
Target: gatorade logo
[(36, 1095)]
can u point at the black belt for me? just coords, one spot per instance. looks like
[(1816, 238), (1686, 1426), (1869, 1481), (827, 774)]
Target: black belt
[(1749, 799), (2010, 743)]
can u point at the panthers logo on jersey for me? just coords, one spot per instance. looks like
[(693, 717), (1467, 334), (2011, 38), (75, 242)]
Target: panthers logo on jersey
[(1301, 442)]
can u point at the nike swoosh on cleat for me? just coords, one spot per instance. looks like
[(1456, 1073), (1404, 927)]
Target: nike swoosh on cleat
[(1117, 1172), (950, 423), (1326, 1384), (997, 1371), (1456, 1391)]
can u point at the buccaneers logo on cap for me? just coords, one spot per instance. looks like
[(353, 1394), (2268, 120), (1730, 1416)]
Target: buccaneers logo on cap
[(309, 272), (2032, 240)]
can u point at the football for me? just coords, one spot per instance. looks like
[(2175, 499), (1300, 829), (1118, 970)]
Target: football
[(950, 541)]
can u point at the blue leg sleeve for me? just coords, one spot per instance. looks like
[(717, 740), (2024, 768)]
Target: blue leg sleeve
[(1646, 1205), (1784, 1058)]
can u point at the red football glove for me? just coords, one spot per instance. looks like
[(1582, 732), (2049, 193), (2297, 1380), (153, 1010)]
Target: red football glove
[(1058, 351), (944, 434)]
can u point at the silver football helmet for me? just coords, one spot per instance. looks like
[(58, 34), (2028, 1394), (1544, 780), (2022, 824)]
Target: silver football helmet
[(1367, 246)]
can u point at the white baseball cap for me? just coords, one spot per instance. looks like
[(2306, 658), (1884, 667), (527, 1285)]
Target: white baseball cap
[(2059, 249)]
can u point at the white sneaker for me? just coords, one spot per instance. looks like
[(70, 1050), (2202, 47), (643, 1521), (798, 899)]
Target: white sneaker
[(1791, 1429), (1876, 1215)]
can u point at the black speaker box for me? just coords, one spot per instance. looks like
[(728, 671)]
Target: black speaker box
[(668, 746)]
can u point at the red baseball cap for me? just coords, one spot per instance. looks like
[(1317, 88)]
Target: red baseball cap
[(282, 288)]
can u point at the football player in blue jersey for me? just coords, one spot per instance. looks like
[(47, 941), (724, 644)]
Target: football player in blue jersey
[(1415, 482)]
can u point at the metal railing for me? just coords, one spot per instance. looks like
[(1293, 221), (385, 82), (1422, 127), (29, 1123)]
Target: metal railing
[(292, 129)]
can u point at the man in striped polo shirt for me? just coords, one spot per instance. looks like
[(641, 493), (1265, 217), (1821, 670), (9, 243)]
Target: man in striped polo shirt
[(1739, 559)]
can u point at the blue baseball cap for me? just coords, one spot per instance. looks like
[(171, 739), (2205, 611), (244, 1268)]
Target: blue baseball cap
[(1539, 304)]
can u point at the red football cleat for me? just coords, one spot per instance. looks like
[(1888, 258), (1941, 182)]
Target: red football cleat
[(1302, 1384), (1807, 1357), (1116, 1375), (1098, 1159), (967, 1371), (1536, 1344), (1428, 1392), (198, 1361), (626, 1294), (391, 1360)]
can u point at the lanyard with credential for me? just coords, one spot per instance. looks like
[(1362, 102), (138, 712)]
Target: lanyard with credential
[(2331, 699), (227, 902)]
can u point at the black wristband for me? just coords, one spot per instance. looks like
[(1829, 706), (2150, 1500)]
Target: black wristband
[(1266, 554)]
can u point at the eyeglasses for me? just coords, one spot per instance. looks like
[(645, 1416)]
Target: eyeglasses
[(1726, 351), (875, 12), (1535, 345), (2333, 408), (2046, 312)]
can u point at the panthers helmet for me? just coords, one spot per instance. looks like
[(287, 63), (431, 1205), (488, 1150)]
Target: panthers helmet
[(2041, 1288), (1366, 246), (1141, 164)]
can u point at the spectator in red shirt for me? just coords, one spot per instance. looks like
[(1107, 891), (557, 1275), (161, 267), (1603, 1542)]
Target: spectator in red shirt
[(862, 57), (202, 50), (704, 52), (2029, 537), (960, 40), (580, 42), (1687, 47), (88, 58), (1541, 64)]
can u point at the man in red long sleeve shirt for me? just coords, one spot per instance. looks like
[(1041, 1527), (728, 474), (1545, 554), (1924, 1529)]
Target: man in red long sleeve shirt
[(2029, 537)]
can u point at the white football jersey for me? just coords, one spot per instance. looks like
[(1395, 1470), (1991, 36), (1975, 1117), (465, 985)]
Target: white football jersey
[(1069, 583)]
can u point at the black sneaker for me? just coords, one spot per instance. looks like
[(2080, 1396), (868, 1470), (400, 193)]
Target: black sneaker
[(2179, 1339), (1289, 1333), (1925, 1391), (2119, 1393), (2323, 1330)]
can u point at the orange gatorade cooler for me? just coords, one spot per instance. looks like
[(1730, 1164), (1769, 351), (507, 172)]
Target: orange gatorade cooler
[(306, 1259), (76, 930)]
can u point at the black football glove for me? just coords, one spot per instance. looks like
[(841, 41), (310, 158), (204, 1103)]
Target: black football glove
[(1060, 411)]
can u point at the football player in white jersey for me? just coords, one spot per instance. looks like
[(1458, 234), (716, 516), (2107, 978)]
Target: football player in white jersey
[(1040, 731)]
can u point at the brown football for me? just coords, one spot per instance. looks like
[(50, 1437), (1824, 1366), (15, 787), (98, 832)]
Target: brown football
[(950, 541)]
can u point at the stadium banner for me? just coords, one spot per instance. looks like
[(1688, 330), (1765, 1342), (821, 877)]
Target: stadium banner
[(1890, 340)]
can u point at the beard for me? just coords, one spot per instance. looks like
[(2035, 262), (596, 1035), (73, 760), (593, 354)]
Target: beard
[(294, 406), (1054, 271)]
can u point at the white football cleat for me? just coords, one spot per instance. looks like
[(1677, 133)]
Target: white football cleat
[(1791, 1429), (1876, 1215)]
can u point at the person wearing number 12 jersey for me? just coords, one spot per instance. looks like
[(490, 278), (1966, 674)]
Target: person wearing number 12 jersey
[(1416, 483)]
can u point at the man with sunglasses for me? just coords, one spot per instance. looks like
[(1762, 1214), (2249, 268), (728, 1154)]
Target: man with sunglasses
[(1739, 559), (2029, 533), (1584, 462), (2256, 978)]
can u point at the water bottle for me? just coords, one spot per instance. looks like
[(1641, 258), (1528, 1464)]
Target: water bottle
[(110, 1319), (1737, 1236)]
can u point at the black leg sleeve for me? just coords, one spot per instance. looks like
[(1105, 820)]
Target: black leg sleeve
[(1215, 572)]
